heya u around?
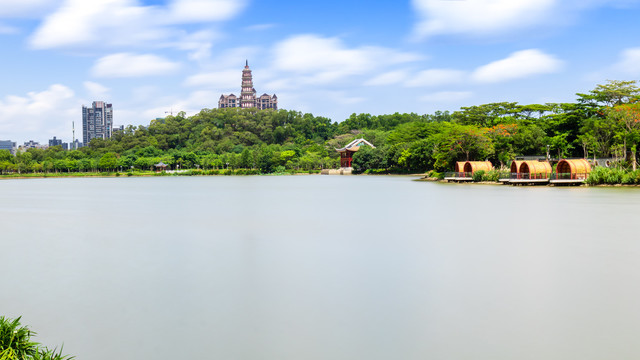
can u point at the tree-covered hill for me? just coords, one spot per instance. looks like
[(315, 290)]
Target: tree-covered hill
[(604, 122)]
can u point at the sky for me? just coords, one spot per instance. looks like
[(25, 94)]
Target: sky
[(330, 58)]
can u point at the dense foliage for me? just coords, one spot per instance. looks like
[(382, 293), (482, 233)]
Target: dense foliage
[(604, 123), (16, 343)]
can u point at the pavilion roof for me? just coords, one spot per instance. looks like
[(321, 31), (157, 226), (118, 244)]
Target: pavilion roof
[(355, 145)]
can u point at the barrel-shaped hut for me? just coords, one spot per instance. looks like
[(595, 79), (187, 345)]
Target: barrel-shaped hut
[(473, 166), (573, 169), (515, 168), (534, 169), (459, 167)]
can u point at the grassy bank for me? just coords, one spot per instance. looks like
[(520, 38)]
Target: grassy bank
[(191, 172)]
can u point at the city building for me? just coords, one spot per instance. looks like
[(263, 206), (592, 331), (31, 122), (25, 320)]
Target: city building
[(76, 144), (31, 145), (248, 98), (8, 145), (97, 121), (55, 142)]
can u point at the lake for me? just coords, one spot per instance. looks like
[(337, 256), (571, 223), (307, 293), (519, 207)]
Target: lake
[(321, 267)]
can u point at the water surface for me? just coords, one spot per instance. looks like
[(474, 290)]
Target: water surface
[(321, 267)]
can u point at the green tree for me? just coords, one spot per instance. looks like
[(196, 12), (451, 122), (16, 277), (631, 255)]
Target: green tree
[(614, 92), (108, 161)]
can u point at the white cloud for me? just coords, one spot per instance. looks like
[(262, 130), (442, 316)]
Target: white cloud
[(499, 17), (629, 63), (182, 11), (436, 77), (520, 64), (31, 115), (477, 16), (388, 78), (317, 60), (95, 90), (446, 96), (82, 23), (132, 65)]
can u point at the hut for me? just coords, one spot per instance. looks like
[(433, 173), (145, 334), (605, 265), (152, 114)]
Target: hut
[(459, 167), (515, 168), (473, 166), (346, 153), (573, 169), (533, 169)]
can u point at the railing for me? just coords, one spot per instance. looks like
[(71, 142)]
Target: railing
[(525, 176), (458, 174), (530, 176), (569, 176)]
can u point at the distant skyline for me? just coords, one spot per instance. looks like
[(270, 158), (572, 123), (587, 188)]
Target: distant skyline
[(330, 58)]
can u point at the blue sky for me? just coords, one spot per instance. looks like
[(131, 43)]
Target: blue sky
[(331, 58)]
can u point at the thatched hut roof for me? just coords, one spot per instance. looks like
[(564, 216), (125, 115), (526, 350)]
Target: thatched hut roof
[(515, 166), (577, 168), (535, 167), (473, 166)]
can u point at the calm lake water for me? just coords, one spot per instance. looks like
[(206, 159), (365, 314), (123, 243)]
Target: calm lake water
[(321, 267)]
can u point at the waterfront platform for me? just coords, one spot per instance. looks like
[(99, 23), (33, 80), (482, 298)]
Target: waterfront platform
[(567, 182), (458, 179), (528, 181)]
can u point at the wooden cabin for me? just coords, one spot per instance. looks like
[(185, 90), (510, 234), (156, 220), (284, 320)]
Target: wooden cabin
[(346, 153), (573, 169), (473, 166), (533, 169), (459, 166)]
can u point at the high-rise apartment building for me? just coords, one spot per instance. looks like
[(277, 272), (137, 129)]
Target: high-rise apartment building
[(97, 121), (8, 145), (55, 142), (248, 98)]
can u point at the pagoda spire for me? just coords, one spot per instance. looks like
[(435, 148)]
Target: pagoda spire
[(248, 93)]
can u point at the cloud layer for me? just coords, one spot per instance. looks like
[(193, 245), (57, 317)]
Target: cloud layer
[(132, 65), (100, 23), (520, 64), (477, 16)]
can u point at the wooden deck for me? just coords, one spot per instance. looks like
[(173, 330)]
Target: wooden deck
[(567, 181), (528, 181), (459, 179)]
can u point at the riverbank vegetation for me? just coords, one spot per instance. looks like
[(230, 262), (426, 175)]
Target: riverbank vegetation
[(603, 123), (16, 343)]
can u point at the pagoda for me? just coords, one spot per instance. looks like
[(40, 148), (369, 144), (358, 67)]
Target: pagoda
[(248, 98), (346, 153)]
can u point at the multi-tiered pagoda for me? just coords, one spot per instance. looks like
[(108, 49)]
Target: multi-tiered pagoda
[(248, 98)]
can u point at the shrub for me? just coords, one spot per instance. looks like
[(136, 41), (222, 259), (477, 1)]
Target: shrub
[(596, 177), (629, 178), (614, 176), (478, 175), (491, 175), (16, 344)]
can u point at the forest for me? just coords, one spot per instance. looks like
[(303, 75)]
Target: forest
[(602, 123)]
